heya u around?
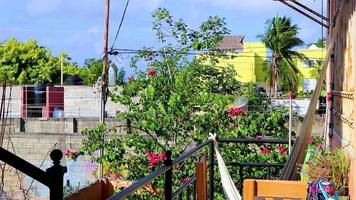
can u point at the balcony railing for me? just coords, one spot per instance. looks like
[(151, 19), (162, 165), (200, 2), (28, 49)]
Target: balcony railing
[(189, 189)]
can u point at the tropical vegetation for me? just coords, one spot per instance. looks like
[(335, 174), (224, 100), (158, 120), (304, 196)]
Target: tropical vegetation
[(176, 101), (281, 38), (29, 63)]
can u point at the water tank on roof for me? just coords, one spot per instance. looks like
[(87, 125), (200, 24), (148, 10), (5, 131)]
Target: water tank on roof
[(74, 80), (112, 75), (39, 93)]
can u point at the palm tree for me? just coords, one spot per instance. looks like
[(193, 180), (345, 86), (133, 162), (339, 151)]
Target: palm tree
[(281, 38)]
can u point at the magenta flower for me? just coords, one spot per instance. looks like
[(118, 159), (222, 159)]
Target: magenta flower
[(185, 180), (156, 158), (265, 150), (131, 78), (235, 111), (259, 137), (282, 150)]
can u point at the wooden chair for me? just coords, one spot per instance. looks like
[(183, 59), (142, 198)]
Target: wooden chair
[(274, 189)]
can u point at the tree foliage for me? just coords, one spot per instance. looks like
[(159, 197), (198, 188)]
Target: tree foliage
[(281, 38), (177, 101)]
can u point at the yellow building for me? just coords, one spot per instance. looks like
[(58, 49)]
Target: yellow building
[(314, 56), (249, 60)]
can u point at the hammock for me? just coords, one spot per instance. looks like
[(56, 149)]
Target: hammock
[(231, 193)]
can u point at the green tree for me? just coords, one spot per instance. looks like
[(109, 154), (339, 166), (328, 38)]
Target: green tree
[(281, 37), (91, 70), (321, 42), (121, 76), (29, 63), (176, 101)]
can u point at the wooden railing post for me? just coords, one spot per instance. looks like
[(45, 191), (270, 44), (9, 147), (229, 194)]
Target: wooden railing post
[(249, 192), (55, 176), (202, 181)]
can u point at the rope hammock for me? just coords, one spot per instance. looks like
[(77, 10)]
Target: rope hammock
[(230, 191)]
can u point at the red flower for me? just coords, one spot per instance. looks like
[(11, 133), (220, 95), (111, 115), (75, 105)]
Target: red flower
[(265, 150), (156, 158), (151, 72), (185, 181), (329, 189), (234, 111), (131, 78), (70, 153), (282, 150), (290, 95)]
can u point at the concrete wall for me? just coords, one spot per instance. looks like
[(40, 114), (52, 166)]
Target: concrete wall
[(35, 148), (79, 101), (299, 105)]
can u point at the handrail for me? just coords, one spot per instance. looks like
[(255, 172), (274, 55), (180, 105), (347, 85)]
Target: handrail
[(52, 177), (136, 185), (164, 169), (253, 140), (23, 166), (190, 152)]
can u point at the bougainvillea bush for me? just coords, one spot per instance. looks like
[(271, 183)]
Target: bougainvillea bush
[(176, 100)]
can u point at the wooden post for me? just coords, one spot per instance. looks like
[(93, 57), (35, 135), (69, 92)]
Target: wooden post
[(249, 192), (202, 181)]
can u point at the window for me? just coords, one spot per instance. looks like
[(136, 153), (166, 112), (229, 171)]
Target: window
[(310, 63)]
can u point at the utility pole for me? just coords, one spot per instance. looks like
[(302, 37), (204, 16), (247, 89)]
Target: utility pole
[(103, 93), (290, 96)]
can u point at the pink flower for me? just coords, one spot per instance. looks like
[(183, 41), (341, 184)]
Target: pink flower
[(282, 150), (328, 97), (131, 78), (70, 153), (156, 158), (320, 146), (265, 150), (234, 111), (151, 72), (259, 137), (185, 181)]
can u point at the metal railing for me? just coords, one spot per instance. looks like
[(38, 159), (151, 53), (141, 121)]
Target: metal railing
[(52, 177), (189, 187)]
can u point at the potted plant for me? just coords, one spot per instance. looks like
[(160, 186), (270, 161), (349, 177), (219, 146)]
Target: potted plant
[(328, 164)]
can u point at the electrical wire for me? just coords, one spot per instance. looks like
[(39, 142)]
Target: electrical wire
[(136, 51), (121, 21)]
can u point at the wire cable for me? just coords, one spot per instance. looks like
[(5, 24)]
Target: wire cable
[(121, 21)]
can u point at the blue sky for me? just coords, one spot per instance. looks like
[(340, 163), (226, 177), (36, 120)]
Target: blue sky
[(76, 26)]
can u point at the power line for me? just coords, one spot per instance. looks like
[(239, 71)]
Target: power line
[(136, 51), (121, 21)]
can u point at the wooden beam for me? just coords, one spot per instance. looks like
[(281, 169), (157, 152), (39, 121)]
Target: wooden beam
[(250, 190), (305, 14)]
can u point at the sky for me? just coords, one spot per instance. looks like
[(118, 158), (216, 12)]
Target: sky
[(77, 26)]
